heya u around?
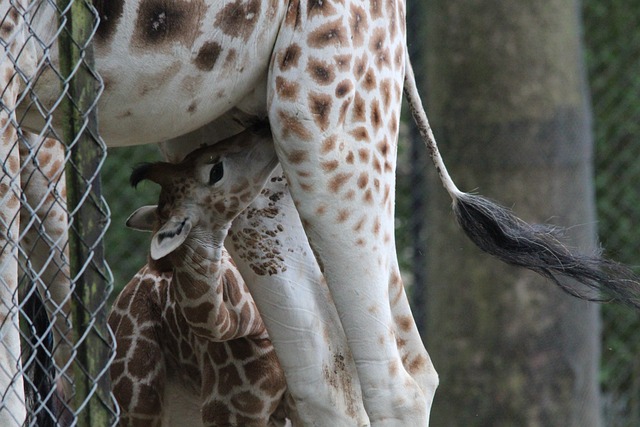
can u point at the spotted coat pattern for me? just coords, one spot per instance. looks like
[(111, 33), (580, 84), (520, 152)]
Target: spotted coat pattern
[(328, 74), (186, 325)]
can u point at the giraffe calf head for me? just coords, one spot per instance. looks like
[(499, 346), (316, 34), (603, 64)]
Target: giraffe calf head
[(204, 192)]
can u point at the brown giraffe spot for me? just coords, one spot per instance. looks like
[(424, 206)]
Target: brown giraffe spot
[(109, 11), (385, 90), (241, 349), (343, 215), (146, 353), (417, 364), (6, 29), (393, 124), (339, 180), (359, 25), (349, 158), (363, 179), (388, 166), (383, 147), (124, 389), (216, 411), (287, 89), (319, 8), (369, 82), (349, 195), (398, 58), (363, 155), (329, 34), (239, 18), (358, 226), (393, 368), (321, 72), (14, 15), (404, 322), (247, 402), (375, 8), (320, 107), (376, 115), (376, 165), (400, 342), (162, 23), (360, 66), (291, 125), (359, 109), (343, 88), (207, 56), (376, 226), (360, 133), (289, 57), (297, 156), (330, 165), (219, 354), (343, 62), (329, 144), (368, 196), (392, 18)]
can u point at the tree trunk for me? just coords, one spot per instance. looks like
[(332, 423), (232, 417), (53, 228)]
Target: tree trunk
[(507, 97)]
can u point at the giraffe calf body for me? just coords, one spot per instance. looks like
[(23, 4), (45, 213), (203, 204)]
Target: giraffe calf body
[(191, 347)]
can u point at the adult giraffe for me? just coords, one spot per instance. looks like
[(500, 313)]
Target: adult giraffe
[(329, 75)]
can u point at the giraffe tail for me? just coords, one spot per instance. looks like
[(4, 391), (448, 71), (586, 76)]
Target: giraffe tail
[(497, 231), (40, 392)]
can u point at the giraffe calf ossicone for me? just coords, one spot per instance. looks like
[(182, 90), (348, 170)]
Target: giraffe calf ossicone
[(192, 349)]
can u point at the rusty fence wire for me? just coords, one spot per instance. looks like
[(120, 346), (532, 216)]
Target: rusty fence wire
[(55, 347)]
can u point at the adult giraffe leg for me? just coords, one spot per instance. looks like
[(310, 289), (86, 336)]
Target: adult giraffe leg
[(269, 246), (44, 237), (12, 406), (334, 108)]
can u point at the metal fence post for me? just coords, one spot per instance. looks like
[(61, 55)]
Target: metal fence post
[(90, 275)]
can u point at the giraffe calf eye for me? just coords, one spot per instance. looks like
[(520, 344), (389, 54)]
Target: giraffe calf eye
[(216, 173)]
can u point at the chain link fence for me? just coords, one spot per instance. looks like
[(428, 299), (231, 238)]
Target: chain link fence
[(55, 348), (612, 37), (57, 305)]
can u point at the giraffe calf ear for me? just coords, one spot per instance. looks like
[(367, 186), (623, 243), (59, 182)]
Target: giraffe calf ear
[(143, 219), (170, 237)]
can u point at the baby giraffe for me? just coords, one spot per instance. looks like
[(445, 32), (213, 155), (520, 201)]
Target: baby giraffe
[(192, 349)]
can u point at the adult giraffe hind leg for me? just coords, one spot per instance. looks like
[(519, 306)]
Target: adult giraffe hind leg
[(12, 406), (44, 248), (272, 253), (334, 108)]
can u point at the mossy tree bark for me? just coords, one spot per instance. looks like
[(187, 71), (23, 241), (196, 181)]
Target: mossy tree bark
[(506, 94)]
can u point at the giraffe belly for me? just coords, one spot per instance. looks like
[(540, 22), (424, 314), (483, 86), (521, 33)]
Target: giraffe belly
[(170, 67), (181, 405)]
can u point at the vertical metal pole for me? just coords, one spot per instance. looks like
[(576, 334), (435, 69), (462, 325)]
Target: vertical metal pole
[(88, 217)]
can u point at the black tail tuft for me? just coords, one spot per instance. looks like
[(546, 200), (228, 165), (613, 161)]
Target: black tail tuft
[(40, 384), (497, 231)]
